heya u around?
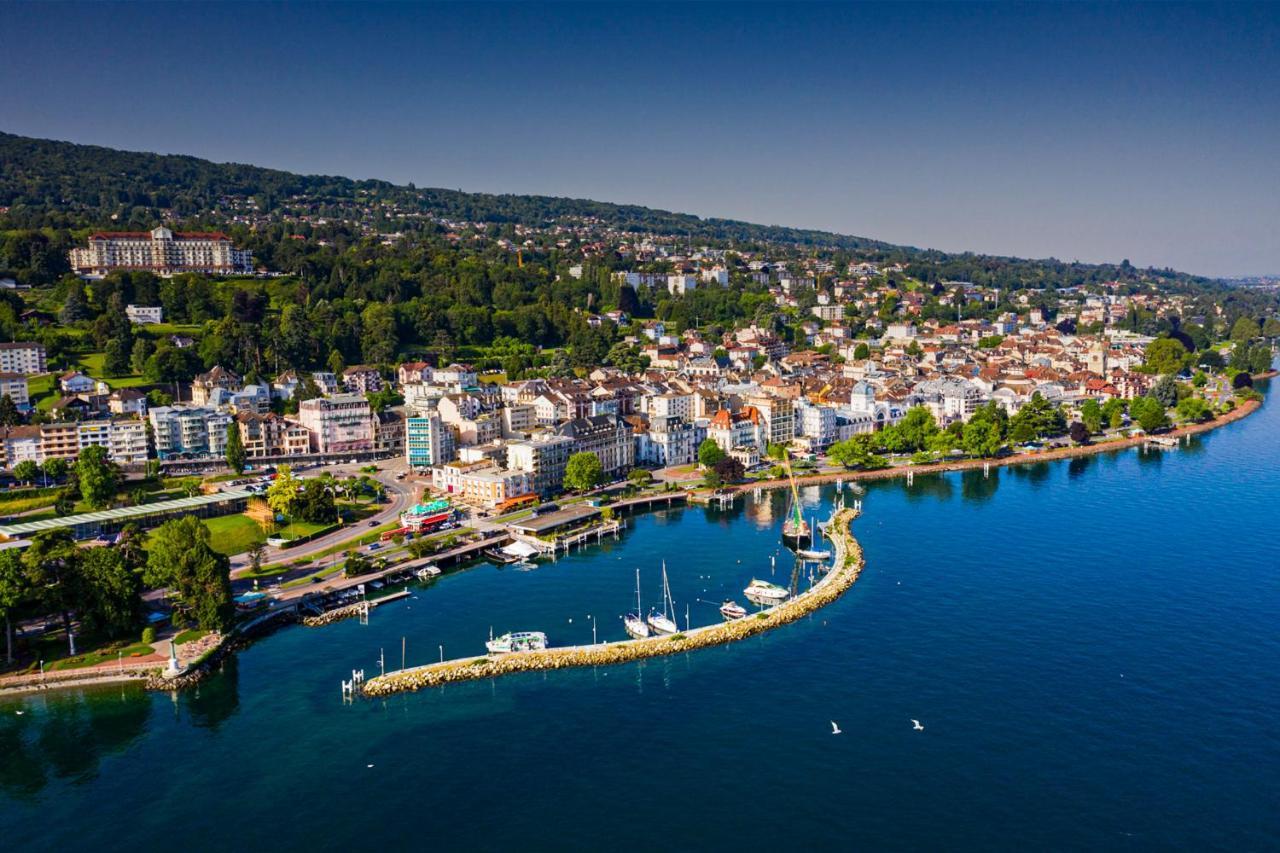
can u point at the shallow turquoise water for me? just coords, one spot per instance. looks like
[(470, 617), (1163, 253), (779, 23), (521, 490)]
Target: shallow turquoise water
[(1092, 646)]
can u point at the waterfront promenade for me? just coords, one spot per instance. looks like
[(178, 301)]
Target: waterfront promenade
[(844, 572)]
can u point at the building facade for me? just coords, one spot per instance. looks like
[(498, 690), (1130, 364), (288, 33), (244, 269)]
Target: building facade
[(160, 251), (339, 424)]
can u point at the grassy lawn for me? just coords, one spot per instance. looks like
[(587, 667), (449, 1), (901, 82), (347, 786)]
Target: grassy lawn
[(103, 655), (234, 534), (189, 636), (91, 364), (373, 535), (26, 503), (159, 330)]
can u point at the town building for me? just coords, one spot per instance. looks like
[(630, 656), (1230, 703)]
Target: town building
[(144, 315), (22, 357), (161, 251), (338, 424), (428, 441), (544, 458), (605, 436), (271, 435), (480, 483), (14, 386)]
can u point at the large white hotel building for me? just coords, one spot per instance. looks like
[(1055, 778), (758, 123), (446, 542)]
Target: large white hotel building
[(161, 251)]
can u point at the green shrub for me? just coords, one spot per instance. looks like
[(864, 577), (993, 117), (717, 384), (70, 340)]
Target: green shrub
[(148, 634)]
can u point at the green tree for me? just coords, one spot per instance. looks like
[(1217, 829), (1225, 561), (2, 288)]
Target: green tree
[(583, 472), (1271, 328), (13, 591), (283, 491), (235, 448), (982, 438), (639, 476), (1194, 409), (52, 564), (861, 352), (1149, 413), (1113, 412), (115, 359), (98, 477), (1165, 391), (26, 471), (1091, 415), (1245, 329), (109, 601), (709, 453), (9, 414), (1165, 355), (55, 468), (315, 502), (179, 557)]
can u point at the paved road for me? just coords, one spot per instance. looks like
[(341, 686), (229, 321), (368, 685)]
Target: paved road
[(400, 493)]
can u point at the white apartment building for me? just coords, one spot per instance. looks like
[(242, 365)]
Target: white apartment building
[(161, 251), (338, 424), (671, 406), (544, 459), (679, 285), (22, 357), (14, 386), (189, 432), (480, 483)]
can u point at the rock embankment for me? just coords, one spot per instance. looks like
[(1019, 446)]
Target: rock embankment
[(335, 615), (848, 565)]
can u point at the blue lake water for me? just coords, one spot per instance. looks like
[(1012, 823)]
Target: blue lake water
[(1093, 647)]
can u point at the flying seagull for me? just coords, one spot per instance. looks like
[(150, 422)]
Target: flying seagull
[(915, 724), (835, 730)]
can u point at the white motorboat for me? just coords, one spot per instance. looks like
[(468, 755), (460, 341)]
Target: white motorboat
[(813, 555), (427, 572), (732, 610), (763, 592)]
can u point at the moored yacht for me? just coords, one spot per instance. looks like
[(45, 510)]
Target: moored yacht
[(732, 610), (763, 592), (633, 622), (664, 622)]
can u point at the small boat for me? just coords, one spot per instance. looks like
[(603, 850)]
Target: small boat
[(497, 555), (516, 641), (376, 584), (813, 555), (764, 592), (634, 622), (427, 572), (732, 610), (664, 622), (525, 566)]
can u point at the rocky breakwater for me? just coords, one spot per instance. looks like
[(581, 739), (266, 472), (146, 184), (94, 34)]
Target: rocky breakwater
[(847, 567), (336, 615)]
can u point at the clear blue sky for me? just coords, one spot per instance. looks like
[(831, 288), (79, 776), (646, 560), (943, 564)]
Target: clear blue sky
[(1148, 132)]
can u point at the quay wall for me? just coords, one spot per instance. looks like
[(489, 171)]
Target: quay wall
[(848, 565)]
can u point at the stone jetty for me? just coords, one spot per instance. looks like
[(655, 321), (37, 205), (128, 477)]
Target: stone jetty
[(847, 567)]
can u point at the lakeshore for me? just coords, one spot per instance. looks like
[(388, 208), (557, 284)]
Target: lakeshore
[(147, 670)]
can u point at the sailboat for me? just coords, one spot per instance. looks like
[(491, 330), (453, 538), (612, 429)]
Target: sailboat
[(664, 622), (795, 530), (634, 622)]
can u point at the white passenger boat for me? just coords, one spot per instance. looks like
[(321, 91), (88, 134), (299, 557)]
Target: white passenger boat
[(732, 610), (813, 555), (516, 641), (427, 572)]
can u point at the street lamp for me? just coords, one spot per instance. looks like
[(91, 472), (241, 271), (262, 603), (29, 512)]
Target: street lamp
[(593, 628)]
